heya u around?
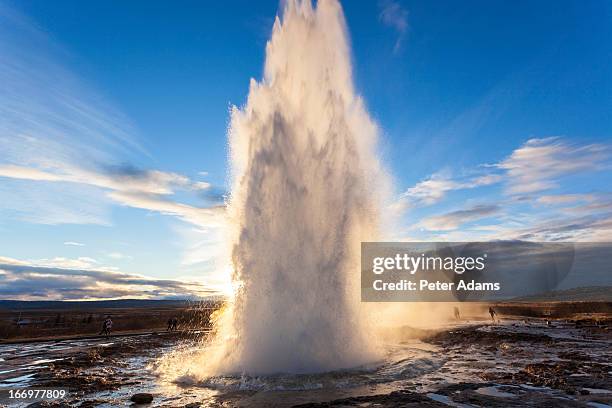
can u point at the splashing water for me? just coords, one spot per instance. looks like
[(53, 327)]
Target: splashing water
[(306, 187)]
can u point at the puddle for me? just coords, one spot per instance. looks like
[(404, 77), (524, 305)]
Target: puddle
[(43, 361), (598, 405), (495, 392), (443, 399), (597, 391), (534, 388), (10, 382)]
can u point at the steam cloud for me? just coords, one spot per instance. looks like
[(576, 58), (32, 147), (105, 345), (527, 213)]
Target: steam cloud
[(306, 188)]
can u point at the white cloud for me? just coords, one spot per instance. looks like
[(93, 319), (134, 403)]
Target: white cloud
[(143, 189), (539, 163), (130, 179), (74, 243), (432, 190), (201, 217), (73, 279), (531, 211), (436, 187), (62, 262), (201, 185), (536, 166)]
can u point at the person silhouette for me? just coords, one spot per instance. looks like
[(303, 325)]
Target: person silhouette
[(493, 313)]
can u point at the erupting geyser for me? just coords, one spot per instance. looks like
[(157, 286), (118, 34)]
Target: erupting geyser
[(306, 187)]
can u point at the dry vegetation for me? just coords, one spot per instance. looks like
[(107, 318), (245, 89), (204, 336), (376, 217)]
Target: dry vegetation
[(555, 310), (15, 324)]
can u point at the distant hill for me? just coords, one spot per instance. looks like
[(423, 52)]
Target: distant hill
[(585, 294), (94, 304)]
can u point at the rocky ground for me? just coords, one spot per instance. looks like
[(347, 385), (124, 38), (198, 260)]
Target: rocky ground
[(543, 364), (86, 368), (517, 363)]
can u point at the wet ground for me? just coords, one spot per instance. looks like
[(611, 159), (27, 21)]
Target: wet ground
[(516, 363)]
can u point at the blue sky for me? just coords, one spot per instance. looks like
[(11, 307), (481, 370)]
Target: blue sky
[(494, 120)]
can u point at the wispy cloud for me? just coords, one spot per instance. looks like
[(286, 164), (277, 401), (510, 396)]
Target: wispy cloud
[(539, 163), (74, 243), (65, 279), (535, 166), (393, 15), (454, 219), (118, 256), (60, 141), (66, 155), (201, 185), (436, 187), (128, 186), (527, 203), (592, 227), (585, 227), (52, 120), (563, 199), (202, 217), (120, 178)]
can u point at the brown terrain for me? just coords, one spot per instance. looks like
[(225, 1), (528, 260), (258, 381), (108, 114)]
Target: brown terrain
[(544, 354), (28, 324)]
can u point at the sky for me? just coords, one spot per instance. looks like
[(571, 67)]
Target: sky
[(494, 122)]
